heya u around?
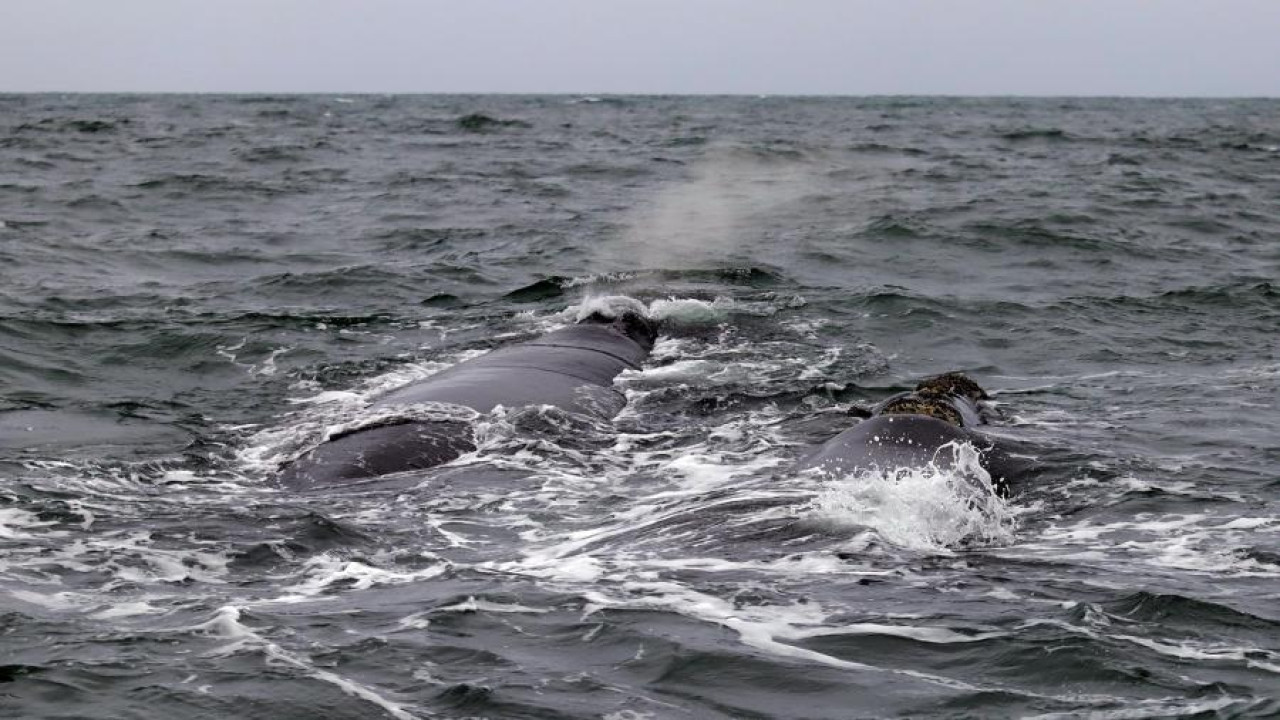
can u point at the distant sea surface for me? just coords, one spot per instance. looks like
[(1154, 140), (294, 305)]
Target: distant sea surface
[(195, 289)]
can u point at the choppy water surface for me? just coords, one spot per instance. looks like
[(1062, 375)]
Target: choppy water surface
[(192, 289)]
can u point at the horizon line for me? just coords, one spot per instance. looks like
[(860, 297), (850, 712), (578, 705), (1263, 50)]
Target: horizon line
[(578, 94)]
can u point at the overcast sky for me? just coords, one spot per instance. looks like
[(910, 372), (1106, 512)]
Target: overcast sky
[(844, 47)]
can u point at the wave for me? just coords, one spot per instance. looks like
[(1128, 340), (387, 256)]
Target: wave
[(1025, 134), (480, 123)]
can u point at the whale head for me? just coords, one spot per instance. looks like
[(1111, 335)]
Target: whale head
[(934, 406), (951, 397), (636, 326), (955, 384)]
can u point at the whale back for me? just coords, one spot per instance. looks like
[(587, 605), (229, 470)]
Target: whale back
[(572, 369), (886, 442)]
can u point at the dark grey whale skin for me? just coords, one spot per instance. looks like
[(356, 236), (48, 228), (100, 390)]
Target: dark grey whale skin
[(912, 441), (572, 368)]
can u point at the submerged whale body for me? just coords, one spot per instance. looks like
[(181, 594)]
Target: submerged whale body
[(572, 369), (912, 429)]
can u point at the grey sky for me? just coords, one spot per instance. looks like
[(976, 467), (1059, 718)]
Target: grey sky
[(848, 47)]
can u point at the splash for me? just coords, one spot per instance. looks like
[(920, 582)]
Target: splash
[(934, 508), (610, 306), (673, 311), (692, 312)]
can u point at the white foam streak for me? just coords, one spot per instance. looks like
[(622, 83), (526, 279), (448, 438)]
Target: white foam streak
[(15, 524), (1189, 650), (802, 566), (226, 624), (471, 604), (1183, 542), (933, 635), (326, 572), (91, 605), (1148, 709), (761, 627)]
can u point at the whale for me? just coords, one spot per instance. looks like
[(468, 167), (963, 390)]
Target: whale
[(914, 429), (572, 369)]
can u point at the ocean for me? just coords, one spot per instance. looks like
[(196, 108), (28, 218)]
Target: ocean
[(195, 289)]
